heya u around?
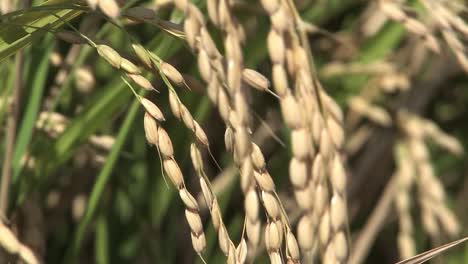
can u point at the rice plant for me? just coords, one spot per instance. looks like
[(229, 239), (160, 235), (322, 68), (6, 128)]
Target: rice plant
[(223, 131)]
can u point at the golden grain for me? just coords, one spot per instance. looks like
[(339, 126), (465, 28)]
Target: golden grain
[(110, 55), (173, 172), (92, 3), (165, 143), (276, 47), (10, 243), (141, 81), (109, 7), (152, 109), (172, 73), (151, 129), (142, 54), (188, 199), (255, 79), (129, 67)]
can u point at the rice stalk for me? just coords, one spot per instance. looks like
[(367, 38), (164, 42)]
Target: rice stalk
[(212, 71), (10, 243), (319, 122), (405, 180), (157, 136), (227, 246)]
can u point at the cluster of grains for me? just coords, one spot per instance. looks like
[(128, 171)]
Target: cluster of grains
[(374, 113), (444, 19), (435, 215), (315, 123), (414, 170), (325, 123), (182, 113), (178, 109), (328, 136), (157, 136), (131, 70), (227, 246), (405, 179), (450, 25), (386, 75), (337, 247), (277, 228), (134, 73), (220, 83), (394, 11), (302, 147), (316, 169), (317, 126), (10, 244), (53, 124), (225, 84), (108, 7), (444, 140), (239, 124), (113, 57)]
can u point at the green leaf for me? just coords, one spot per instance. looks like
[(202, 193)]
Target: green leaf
[(37, 82), (102, 239), (101, 182), (20, 28)]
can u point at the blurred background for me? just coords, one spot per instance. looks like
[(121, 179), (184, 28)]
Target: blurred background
[(85, 186)]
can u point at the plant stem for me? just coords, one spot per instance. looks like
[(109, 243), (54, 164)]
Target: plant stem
[(11, 135), (373, 225)]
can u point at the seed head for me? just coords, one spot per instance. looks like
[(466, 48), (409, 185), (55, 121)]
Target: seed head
[(164, 143), (173, 172), (151, 129), (109, 8), (142, 54), (172, 73), (110, 55), (129, 67), (152, 109), (141, 81), (255, 79)]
